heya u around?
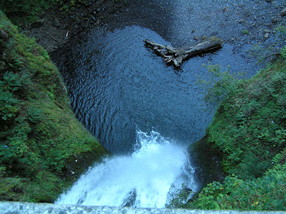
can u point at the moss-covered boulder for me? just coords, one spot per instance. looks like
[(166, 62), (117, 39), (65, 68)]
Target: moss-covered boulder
[(42, 145)]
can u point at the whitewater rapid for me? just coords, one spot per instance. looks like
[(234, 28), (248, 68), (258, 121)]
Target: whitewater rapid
[(145, 178)]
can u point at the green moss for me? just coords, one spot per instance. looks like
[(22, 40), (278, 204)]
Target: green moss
[(249, 127), (265, 193), (245, 32), (23, 12), (40, 137), (249, 132)]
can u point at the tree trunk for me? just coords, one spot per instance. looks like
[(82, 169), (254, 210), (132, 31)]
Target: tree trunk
[(176, 56)]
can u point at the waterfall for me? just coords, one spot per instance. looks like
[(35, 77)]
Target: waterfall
[(141, 179)]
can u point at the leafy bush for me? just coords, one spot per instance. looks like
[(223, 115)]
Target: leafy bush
[(22, 11), (223, 83), (40, 139), (249, 130), (26, 11), (249, 126), (265, 193)]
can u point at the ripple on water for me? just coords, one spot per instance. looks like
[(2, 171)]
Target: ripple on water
[(117, 85)]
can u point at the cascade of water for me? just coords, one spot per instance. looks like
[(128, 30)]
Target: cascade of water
[(142, 179), (116, 84)]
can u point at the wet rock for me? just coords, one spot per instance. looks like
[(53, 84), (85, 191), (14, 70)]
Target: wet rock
[(56, 23), (37, 24), (241, 21), (3, 35), (274, 20), (93, 18), (84, 24), (130, 199), (113, 10), (266, 35), (283, 12), (214, 33)]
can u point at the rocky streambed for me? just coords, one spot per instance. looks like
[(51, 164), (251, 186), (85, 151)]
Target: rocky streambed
[(237, 22)]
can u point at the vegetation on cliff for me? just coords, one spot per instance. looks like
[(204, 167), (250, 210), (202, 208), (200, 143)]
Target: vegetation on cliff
[(42, 144), (249, 131), (25, 11)]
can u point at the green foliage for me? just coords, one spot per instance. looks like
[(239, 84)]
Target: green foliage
[(225, 84), (249, 130), (67, 5), (26, 11), (22, 11), (246, 32), (40, 138), (283, 52), (8, 103), (265, 193), (281, 29), (45, 187), (249, 127), (271, 51)]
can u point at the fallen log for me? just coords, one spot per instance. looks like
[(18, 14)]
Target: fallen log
[(176, 56)]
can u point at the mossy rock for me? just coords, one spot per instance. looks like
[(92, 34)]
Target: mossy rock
[(40, 137)]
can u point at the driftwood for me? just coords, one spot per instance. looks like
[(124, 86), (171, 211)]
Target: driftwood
[(176, 56)]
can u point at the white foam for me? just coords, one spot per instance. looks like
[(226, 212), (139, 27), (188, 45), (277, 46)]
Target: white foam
[(145, 177)]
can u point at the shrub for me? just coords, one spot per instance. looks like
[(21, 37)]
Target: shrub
[(26, 11), (22, 11), (40, 138), (249, 132), (249, 126), (265, 193)]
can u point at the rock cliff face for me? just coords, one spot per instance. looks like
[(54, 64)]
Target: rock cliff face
[(42, 146)]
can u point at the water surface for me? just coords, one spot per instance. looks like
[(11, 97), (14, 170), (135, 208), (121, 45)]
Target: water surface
[(117, 85)]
